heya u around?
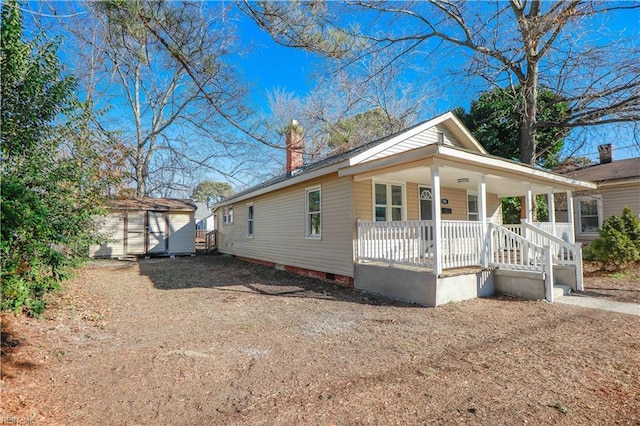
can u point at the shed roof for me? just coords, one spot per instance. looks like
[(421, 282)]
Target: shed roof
[(148, 203), (616, 170)]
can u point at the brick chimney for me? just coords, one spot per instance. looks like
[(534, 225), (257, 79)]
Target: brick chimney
[(293, 137), (606, 153)]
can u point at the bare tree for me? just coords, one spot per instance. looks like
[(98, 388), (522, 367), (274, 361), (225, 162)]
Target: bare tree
[(565, 46), (342, 112), (130, 57)]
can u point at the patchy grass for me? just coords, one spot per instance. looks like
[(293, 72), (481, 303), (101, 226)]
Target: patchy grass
[(211, 340)]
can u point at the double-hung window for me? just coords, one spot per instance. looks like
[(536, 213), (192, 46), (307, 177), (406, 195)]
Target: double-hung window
[(589, 214), (472, 207), (313, 219), (227, 215), (388, 202), (250, 220)]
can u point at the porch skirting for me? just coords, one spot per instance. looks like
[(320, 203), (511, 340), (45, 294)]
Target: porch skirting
[(422, 286)]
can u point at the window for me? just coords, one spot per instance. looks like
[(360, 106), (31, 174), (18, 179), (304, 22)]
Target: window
[(589, 214), (227, 215), (250, 220), (313, 213), (388, 202), (472, 207)]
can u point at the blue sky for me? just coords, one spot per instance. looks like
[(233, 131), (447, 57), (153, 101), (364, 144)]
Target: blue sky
[(270, 66)]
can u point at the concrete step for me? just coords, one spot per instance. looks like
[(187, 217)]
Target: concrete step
[(561, 290)]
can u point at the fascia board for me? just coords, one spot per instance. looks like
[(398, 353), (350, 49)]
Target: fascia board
[(391, 161), (508, 168)]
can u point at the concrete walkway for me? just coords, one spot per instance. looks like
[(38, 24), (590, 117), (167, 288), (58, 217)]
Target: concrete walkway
[(595, 303)]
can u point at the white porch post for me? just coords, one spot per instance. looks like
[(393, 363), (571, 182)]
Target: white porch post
[(527, 219), (435, 205), (551, 204), (570, 216), (482, 210), (528, 204)]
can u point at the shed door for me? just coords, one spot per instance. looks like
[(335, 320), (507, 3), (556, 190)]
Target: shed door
[(157, 235), (135, 232)]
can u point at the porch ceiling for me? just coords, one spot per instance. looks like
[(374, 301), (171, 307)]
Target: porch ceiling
[(454, 177)]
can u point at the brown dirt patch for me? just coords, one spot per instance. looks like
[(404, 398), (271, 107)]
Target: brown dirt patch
[(621, 286), (212, 340)]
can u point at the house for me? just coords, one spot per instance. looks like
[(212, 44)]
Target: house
[(618, 186), (414, 216), (204, 218), (143, 226)]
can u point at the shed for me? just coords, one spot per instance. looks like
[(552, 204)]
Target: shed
[(143, 226)]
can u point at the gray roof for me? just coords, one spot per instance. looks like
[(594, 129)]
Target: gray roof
[(616, 170)]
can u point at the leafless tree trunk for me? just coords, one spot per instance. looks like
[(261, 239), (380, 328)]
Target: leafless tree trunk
[(173, 127)]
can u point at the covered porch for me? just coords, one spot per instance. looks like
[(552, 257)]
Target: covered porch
[(435, 211)]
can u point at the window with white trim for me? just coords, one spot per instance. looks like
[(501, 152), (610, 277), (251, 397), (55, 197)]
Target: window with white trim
[(227, 215), (313, 217), (589, 214), (388, 199), (250, 220), (472, 206)]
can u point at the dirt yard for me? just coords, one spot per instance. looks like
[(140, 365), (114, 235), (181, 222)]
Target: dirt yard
[(621, 286), (212, 340)]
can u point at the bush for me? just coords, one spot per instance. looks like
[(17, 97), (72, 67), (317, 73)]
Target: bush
[(618, 243)]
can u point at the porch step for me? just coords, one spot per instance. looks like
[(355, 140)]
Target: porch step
[(561, 290)]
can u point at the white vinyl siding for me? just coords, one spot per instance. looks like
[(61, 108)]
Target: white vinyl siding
[(614, 200), (146, 232), (112, 227), (437, 134), (136, 232), (182, 233), (282, 224)]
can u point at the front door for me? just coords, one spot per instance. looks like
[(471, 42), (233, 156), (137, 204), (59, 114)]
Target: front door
[(157, 232), (426, 203), (426, 213)]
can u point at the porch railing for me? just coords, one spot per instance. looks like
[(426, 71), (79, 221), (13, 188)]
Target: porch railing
[(562, 230), (411, 243), (405, 243), (562, 252), (464, 244), (510, 250), (461, 243)]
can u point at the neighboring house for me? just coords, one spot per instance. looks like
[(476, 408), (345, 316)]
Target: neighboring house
[(142, 226), (618, 186), (204, 218), (414, 216)]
